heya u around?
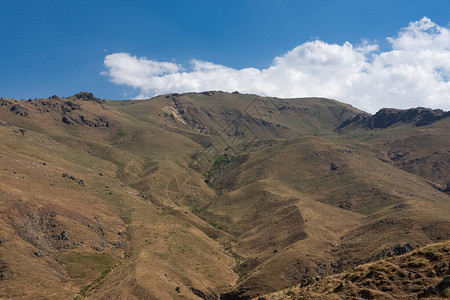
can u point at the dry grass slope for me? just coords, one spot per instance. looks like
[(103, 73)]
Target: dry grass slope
[(422, 274), (204, 194)]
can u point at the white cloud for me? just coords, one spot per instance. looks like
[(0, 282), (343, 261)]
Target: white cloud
[(413, 73)]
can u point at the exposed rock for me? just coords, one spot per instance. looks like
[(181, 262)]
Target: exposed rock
[(66, 120), (79, 181), (443, 189), (386, 117), (19, 110), (69, 176), (119, 142), (70, 105), (85, 96), (399, 250), (5, 274), (20, 131), (334, 166), (64, 236), (366, 294), (4, 102)]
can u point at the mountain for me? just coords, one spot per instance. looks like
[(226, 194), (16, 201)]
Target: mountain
[(198, 195)]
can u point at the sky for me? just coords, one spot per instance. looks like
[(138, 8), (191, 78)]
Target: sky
[(371, 54)]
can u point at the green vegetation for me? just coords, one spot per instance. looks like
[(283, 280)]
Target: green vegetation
[(417, 288), (85, 268), (85, 289), (218, 163)]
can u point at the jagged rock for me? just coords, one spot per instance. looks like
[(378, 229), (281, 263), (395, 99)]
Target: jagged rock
[(19, 110), (386, 117), (399, 250), (85, 96), (82, 183)]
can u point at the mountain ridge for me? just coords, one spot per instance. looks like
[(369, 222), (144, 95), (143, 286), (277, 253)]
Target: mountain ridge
[(266, 190)]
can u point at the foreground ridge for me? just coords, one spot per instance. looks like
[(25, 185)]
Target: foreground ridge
[(423, 274)]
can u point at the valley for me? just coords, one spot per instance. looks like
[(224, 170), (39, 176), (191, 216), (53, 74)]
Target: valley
[(201, 195)]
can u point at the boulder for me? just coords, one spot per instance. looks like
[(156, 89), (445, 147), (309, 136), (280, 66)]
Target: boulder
[(64, 236), (334, 166), (400, 250)]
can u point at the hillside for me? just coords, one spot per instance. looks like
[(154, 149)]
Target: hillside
[(422, 274), (198, 195)]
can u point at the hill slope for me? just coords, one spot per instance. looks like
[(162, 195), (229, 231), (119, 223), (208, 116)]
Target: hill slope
[(423, 274), (204, 194)]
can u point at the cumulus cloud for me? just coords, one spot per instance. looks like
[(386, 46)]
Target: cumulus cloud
[(414, 72)]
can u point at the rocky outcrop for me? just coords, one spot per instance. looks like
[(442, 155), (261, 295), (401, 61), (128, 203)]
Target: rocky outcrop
[(387, 117), (19, 110), (81, 182), (69, 110), (4, 102), (85, 96), (443, 189)]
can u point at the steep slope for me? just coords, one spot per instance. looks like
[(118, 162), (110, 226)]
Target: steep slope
[(415, 140), (423, 274), (312, 208), (67, 210), (200, 194)]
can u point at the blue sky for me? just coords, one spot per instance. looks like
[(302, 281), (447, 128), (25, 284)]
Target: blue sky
[(59, 47)]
